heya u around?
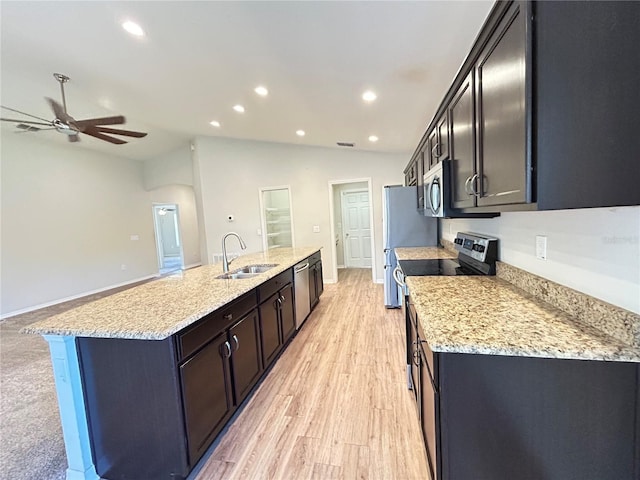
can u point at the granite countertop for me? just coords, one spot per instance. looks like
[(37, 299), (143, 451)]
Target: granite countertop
[(423, 253), (488, 315), (158, 309)]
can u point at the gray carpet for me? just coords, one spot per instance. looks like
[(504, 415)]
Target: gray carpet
[(31, 443)]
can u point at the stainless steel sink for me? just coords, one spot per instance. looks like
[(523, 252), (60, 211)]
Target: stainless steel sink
[(261, 268), (249, 271)]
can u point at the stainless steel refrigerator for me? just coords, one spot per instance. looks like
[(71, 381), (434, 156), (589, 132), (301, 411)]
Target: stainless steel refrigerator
[(403, 226)]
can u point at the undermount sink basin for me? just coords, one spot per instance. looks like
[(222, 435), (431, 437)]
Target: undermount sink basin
[(256, 268), (247, 272)]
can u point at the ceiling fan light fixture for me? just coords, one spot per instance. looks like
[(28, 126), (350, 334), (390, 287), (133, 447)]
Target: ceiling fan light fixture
[(133, 28)]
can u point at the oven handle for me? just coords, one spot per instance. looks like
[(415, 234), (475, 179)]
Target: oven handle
[(396, 276)]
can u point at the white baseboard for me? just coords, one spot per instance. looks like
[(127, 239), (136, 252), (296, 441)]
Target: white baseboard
[(341, 266), (379, 280), (192, 265), (74, 297)]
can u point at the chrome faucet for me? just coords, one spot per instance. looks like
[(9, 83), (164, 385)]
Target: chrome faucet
[(225, 262)]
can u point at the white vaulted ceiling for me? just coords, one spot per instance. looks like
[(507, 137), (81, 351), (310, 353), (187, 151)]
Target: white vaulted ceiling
[(199, 59)]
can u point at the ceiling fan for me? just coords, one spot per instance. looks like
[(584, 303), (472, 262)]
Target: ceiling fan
[(65, 123)]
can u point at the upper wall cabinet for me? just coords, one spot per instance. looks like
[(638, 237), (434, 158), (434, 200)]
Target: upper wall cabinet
[(544, 111)]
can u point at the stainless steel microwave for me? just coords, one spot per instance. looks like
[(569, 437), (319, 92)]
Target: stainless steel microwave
[(437, 190)]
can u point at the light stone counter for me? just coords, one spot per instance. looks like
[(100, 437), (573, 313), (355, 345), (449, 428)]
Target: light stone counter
[(488, 315), (158, 309), (423, 253)]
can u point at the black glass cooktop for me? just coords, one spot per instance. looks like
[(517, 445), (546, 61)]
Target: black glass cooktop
[(441, 267)]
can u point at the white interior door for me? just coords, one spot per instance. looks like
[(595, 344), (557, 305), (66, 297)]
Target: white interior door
[(357, 229)]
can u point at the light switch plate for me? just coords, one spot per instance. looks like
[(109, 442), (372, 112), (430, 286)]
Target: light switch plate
[(316, 229), (541, 247), (135, 237)]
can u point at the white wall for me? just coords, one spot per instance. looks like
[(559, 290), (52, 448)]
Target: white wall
[(67, 217), (595, 251), (172, 168), (184, 197), (229, 173)]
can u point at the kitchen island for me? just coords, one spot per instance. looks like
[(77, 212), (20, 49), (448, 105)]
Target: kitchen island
[(518, 377), (132, 370)]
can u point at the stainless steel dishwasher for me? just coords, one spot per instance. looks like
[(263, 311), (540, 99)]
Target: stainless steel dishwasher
[(301, 282)]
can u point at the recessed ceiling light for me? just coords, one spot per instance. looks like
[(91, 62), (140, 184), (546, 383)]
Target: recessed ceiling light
[(214, 123), (300, 133), (369, 96), (133, 28), (238, 108), (262, 91), (373, 138)]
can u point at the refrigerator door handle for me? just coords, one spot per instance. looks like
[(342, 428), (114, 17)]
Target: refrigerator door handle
[(396, 276), (387, 250)]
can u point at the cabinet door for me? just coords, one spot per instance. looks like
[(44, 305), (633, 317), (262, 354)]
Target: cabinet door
[(442, 131), (428, 414), (420, 181), (246, 364), (319, 281), (206, 392), (432, 145), (463, 144), (313, 281), (269, 328), (500, 86), (288, 325)]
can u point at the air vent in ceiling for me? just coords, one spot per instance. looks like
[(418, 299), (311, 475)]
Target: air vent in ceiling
[(346, 144)]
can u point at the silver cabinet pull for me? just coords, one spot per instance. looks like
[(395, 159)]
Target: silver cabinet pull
[(228, 346), (472, 184), (228, 316), (282, 299), (466, 186), (436, 147), (237, 342)]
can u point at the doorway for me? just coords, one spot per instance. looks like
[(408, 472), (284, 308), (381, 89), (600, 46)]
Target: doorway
[(166, 221), (351, 215)]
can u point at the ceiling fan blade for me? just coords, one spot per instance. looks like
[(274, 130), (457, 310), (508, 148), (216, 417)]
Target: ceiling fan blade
[(117, 131), (25, 122), (23, 113), (95, 133), (58, 110), (116, 120)]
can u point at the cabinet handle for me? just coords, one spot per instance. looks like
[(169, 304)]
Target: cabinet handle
[(228, 346), (466, 186), (235, 339), (437, 153), (282, 299), (277, 303), (472, 184), (416, 358), (228, 316)]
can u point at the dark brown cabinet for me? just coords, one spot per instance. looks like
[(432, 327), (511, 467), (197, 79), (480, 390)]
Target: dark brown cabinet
[(410, 174), (246, 361), (548, 94), (463, 143), (501, 175), (422, 165), (488, 417), (316, 284), (207, 394), (277, 320)]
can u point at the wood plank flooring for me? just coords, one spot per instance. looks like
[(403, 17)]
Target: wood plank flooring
[(336, 405)]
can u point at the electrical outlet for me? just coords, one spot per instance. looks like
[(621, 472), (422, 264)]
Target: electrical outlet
[(316, 229), (135, 237), (541, 247), (259, 232)]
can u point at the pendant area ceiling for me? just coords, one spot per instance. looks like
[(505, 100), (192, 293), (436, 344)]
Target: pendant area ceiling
[(199, 59)]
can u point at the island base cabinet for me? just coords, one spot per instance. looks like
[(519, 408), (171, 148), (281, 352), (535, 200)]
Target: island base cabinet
[(506, 418), (134, 408), (206, 390)]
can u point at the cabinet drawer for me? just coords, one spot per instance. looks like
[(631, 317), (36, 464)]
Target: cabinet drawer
[(270, 287), (316, 257), (210, 325), (427, 353)]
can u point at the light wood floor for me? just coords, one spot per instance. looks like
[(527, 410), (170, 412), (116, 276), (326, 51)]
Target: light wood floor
[(336, 405)]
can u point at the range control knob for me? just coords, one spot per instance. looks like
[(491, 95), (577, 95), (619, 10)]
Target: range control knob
[(478, 248), (458, 241)]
